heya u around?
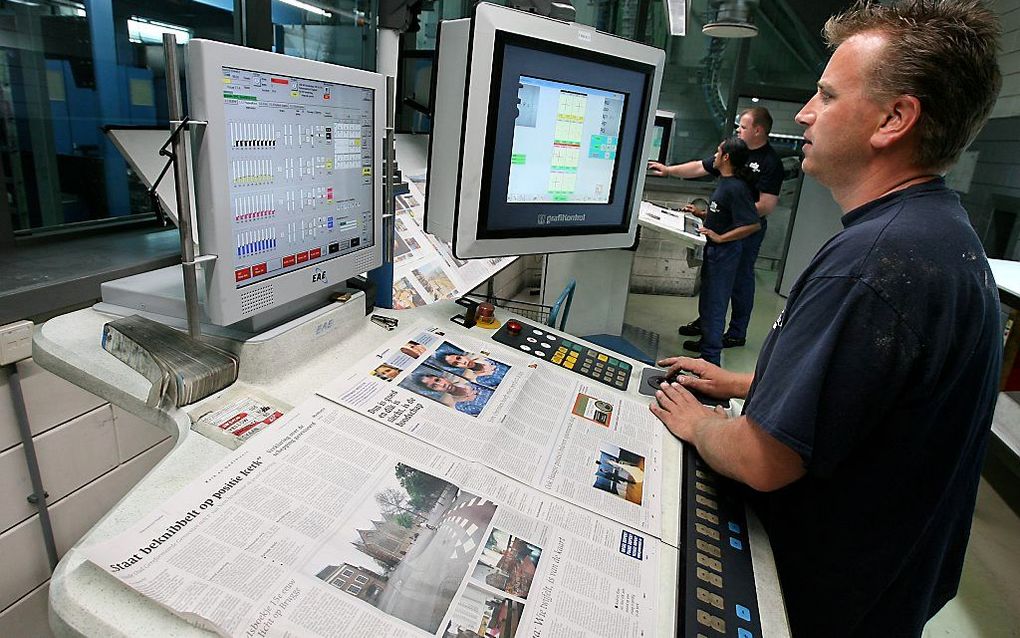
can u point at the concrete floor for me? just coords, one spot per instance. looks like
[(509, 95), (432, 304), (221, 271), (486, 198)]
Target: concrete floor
[(988, 602)]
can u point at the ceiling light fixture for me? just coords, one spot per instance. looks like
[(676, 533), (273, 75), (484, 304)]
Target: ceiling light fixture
[(734, 19), (310, 8)]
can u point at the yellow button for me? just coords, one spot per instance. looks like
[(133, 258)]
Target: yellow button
[(572, 359), (569, 365), (561, 349), (603, 357), (557, 358), (574, 353)]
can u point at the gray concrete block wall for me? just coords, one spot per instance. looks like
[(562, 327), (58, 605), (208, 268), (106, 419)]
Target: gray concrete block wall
[(663, 266)]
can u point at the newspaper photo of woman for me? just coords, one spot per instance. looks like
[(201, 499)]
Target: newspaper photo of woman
[(472, 366), (448, 389)]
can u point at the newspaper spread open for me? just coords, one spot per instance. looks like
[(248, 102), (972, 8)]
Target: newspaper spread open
[(334, 525), (547, 428)]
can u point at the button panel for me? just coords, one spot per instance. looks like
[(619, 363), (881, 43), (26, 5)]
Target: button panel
[(718, 574), (567, 354)]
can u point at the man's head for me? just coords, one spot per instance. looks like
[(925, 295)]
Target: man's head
[(912, 82), (754, 126)]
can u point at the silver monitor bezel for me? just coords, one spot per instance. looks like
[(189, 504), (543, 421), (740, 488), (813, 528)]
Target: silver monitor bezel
[(463, 201), (224, 304)]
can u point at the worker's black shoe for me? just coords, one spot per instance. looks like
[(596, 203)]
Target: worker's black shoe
[(727, 342), (692, 329), (732, 342)]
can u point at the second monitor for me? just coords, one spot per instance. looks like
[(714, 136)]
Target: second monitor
[(538, 146)]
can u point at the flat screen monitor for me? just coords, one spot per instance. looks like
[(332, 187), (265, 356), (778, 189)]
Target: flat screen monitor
[(414, 91), (538, 146), (662, 132), (287, 176)]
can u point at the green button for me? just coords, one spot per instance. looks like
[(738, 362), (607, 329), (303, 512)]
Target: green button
[(613, 361), (624, 365)]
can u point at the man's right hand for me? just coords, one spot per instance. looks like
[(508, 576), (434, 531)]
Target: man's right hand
[(710, 379), (658, 169)]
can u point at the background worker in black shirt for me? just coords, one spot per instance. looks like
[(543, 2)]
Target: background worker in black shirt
[(754, 126), (867, 417), (730, 220)]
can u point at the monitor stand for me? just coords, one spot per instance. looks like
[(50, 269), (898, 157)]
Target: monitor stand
[(159, 295)]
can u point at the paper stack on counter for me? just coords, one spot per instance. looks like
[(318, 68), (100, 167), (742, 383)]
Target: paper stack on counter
[(182, 370)]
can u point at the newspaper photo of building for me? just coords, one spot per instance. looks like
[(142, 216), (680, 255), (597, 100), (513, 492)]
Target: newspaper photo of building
[(408, 548)]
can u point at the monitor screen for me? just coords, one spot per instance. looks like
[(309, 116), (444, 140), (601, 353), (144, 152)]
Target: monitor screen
[(656, 146), (563, 140), (300, 159), (662, 131), (564, 144), (287, 192)]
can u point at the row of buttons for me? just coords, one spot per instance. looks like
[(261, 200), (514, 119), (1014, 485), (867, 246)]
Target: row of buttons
[(709, 557), (566, 354)]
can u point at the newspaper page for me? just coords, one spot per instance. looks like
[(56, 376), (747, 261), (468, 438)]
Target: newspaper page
[(547, 428), (334, 525), (424, 268)]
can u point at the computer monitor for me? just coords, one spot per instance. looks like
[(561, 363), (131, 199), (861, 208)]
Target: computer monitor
[(287, 176), (662, 132), (538, 143)]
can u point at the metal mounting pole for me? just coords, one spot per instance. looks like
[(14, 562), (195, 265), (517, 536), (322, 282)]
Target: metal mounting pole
[(39, 495), (389, 174), (180, 159)]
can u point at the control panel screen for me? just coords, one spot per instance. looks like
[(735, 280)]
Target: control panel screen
[(564, 140), (564, 143), (300, 156), (656, 146)]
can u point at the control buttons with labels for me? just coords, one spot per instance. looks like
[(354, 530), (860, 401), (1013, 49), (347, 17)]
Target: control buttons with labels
[(567, 354)]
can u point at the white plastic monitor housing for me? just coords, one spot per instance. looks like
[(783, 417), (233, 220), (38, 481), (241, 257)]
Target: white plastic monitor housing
[(461, 113), (287, 184)]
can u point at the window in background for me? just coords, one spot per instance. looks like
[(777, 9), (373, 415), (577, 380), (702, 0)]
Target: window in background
[(335, 31), (66, 70)]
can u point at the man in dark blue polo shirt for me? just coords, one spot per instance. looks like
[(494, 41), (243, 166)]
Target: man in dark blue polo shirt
[(867, 417), (754, 126)]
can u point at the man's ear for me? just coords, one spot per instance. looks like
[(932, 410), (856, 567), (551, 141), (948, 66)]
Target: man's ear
[(900, 120)]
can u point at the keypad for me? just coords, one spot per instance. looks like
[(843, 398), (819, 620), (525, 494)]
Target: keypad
[(567, 354)]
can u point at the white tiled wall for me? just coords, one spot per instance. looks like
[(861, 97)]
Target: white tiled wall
[(90, 454), (25, 565), (49, 400), (15, 488), (76, 514), (72, 454), (27, 618)]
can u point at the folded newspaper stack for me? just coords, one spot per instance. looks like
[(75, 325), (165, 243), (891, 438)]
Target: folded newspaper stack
[(182, 369)]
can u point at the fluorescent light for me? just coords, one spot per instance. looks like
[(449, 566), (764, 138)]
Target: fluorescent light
[(676, 14), (308, 7), (81, 12), (755, 100), (151, 32)]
